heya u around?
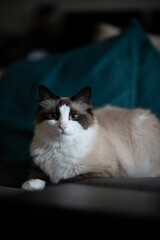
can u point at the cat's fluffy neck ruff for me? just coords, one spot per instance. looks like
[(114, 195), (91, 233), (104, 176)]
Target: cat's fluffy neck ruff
[(69, 151)]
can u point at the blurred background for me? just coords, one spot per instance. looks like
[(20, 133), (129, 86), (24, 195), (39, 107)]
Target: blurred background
[(56, 26)]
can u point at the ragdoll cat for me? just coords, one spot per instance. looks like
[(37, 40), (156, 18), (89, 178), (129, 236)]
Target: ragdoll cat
[(72, 139)]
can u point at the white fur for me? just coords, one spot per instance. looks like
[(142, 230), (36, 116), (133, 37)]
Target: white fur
[(34, 184), (64, 114), (61, 154)]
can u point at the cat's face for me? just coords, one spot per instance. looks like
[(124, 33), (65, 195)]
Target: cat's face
[(64, 116)]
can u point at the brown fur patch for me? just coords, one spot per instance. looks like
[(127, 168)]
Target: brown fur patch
[(85, 116), (36, 172), (86, 176)]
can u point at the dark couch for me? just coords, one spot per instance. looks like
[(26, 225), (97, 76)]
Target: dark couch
[(94, 207)]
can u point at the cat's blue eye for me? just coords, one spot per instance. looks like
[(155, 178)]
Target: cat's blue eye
[(73, 116), (54, 115)]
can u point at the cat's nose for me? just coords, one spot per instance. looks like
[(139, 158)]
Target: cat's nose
[(62, 126)]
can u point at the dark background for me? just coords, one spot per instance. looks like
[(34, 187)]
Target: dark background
[(58, 26)]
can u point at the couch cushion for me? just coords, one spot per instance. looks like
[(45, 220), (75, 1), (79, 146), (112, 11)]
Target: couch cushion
[(145, 184)]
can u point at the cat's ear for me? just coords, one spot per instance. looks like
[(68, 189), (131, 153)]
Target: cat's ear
[(45, 93), (84, 95)]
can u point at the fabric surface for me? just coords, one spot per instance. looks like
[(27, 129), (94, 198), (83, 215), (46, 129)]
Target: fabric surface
[(122, 71), (145, 184)]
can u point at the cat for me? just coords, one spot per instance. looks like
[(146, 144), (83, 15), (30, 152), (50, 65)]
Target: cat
[(73, 139)]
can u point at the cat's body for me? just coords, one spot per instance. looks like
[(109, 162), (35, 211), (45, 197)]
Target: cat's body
[(72, 139)]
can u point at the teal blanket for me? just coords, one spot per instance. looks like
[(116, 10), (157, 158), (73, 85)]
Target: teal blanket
[(122, 71)]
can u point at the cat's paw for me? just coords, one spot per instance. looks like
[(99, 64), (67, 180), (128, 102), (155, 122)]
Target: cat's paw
[(34, 184)]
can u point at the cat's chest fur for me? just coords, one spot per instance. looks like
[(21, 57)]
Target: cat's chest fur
[(63, 158)]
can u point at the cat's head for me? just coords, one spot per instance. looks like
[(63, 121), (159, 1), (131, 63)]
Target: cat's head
[(65, 115)]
